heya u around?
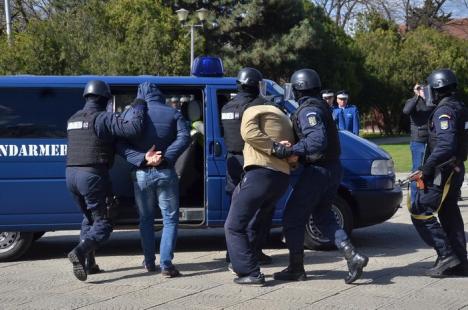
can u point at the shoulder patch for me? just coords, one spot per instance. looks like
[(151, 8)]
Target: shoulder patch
[(444, 124), (312, 120)]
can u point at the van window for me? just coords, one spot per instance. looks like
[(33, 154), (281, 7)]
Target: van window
[(39, 112)]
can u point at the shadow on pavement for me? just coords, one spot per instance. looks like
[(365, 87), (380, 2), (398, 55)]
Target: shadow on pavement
[(387, 239), (383, 240)]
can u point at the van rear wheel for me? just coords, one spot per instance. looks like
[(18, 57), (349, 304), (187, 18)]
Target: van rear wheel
[(13, 244), (315, 240)]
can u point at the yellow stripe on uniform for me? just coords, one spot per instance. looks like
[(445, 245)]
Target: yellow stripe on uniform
[(444, 195)]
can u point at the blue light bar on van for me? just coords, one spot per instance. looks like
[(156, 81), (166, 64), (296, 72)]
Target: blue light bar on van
[(208, 66)]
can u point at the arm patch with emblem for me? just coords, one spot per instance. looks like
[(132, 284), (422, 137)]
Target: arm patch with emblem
[(444, 121), (312, 118)]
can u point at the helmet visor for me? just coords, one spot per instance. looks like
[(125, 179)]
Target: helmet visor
[(110, 106), (428, 96), (262, 86), (288, 91)]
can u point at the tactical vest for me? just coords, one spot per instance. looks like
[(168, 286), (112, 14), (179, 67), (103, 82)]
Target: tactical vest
[(231, 118), (461, 115), (333, 150), (84, 146)]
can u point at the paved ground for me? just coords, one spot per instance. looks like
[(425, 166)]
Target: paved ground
[(393, 280)]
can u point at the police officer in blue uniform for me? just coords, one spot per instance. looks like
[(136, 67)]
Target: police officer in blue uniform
[(442, 175), (346, 115), (248, 80), (318, 148), (91, 136)]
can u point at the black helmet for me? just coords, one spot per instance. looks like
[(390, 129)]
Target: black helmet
[(98, 88), (305, 79), (249, 77), (442, 78)]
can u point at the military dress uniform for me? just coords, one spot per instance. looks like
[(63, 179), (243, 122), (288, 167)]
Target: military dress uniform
[(347, 118)]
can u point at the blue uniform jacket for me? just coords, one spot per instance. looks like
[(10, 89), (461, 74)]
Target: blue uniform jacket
[(442, 132), (109, 126), (347, 118), (314, 130), (166, 129)]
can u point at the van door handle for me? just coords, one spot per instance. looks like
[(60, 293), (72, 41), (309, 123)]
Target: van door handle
[(216, 148)]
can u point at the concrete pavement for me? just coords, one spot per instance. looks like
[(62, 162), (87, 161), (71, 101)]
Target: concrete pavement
[(394, 278)]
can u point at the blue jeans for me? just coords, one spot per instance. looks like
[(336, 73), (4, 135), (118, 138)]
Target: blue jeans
[(157, 188), (417, 153)]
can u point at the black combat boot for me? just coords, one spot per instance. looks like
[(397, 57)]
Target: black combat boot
[(77, 257), (91, 266), (442, 265), (356, 261), (460, 270), (295, 270)]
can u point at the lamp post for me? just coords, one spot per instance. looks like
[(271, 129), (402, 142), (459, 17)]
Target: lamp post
[(182, 15), (8, 20)]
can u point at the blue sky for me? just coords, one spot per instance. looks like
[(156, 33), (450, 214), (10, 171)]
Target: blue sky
[(457, 7)]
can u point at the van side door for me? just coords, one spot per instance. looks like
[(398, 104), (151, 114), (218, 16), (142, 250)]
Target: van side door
[(217, 198)]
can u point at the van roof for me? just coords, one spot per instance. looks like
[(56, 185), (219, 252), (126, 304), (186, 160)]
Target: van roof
[(17, 80)]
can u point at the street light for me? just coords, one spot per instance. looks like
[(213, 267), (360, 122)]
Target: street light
[(8, 20), (182, 15)]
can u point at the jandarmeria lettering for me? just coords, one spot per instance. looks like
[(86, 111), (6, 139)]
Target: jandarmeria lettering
[(32, 150)]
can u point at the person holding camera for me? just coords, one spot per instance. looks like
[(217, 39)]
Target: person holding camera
[(419, 114)]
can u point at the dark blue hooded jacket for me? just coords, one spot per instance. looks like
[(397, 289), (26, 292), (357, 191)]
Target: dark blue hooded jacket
[(165, 128)]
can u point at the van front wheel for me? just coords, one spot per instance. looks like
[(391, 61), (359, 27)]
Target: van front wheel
[(315, 240), (13, 244)]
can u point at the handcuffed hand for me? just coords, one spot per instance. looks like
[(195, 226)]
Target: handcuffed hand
[(153, 158), (280, 150), (418, 177)]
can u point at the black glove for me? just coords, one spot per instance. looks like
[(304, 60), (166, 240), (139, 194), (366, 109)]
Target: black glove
[(139, 104), (281, 151), (427, 171)]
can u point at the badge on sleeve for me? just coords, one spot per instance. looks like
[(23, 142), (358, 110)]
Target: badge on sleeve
[(444, 121), (312, 120), (444, 125)]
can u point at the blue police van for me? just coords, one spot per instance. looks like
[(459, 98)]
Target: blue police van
[(33, 148)]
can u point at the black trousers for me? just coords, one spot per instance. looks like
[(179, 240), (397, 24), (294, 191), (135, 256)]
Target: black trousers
[(313, 193), (256, 195), (445, 234), (90, 188)]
